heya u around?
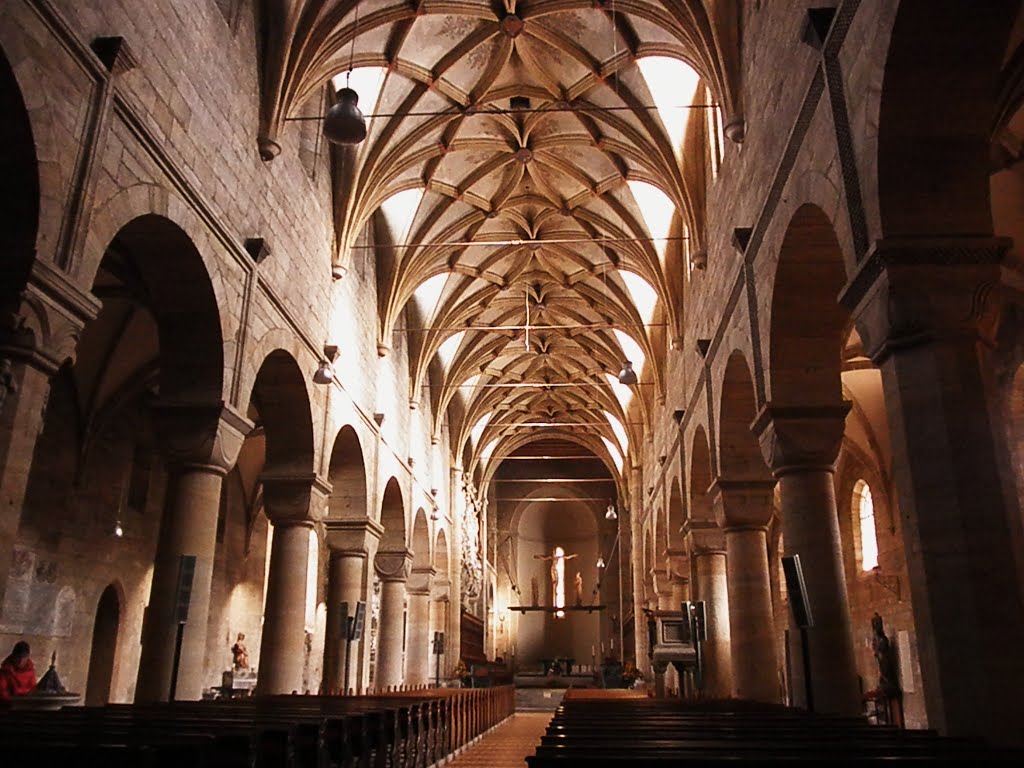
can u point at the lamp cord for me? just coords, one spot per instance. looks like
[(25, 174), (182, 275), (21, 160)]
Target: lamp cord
[(352, 49)]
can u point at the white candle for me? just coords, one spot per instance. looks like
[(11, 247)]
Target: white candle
[(592, 652)]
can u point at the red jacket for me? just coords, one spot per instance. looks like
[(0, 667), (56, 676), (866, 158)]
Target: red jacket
[(16, 680)]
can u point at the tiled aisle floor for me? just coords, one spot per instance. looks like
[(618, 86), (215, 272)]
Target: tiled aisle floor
[(508, 744)]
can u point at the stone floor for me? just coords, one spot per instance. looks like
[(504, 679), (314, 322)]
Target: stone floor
[(508, 744)]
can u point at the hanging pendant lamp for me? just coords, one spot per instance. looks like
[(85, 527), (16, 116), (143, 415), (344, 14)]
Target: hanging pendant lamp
[(627, 375), (344, 122)]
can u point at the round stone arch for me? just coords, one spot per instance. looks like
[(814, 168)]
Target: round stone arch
[(739, 452), (935, 114), (19, 186), (141, 200), (422, 557), (555, 490), (346, 473), (392, 517), (150, 198), (700, 477), (676, 513), (807, 323), (441, 555), (259, 349), (282, 405), (160, 264)]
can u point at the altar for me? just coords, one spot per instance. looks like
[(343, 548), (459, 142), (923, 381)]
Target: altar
[(237, 683)]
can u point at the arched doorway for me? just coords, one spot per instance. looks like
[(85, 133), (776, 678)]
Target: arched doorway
[(104, 648)]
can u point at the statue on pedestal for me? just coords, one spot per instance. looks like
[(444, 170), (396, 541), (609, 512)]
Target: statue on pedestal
[(888, 682), (579, 588), (240, 653)]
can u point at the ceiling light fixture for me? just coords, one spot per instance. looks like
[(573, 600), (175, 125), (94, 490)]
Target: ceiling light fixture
[(627, 375), (344, 122)]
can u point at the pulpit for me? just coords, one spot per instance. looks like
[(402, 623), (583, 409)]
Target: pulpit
[(675, 638)]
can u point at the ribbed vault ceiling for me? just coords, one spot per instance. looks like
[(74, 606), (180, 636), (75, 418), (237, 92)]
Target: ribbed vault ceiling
[(527, 164)]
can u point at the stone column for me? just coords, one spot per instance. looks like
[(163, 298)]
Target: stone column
[(801, 446), (200, 443), (679, 575), (419, 638), (917, 303), (744, 509), (351, 543), (294, 504), (663, 589), (642, 643), (393, 571), (453, 633), (706, 543), (36, 338)]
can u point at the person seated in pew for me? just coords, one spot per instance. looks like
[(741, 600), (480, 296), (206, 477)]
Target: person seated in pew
[(17, 673)]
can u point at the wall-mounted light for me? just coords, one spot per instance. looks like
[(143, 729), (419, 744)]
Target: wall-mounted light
[(118, 530), (891, 583), (325, 372), (610, 513), (600, 562)]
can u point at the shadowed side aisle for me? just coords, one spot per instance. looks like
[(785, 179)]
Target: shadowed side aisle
[(508, 744)]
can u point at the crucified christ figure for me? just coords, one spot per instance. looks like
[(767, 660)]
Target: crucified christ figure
[(557, 558)]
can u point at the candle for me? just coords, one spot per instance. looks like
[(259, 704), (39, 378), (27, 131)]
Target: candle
[(613, 643), (602, 647), (592, 652)]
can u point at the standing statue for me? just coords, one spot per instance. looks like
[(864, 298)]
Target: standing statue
[(7, 384), (579, 588), (888, 682), (240, 653)]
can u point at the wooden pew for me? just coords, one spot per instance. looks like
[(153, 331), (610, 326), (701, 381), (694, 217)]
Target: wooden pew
[(404, 729), (642, 732)]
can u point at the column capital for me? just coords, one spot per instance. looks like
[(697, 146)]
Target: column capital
[(420, 579), (704, 538), (294, 498), (393, 565), (201, 435), (43, 323), (910, 291), (353, 538), (742, 503), (801, 438), (679, 565)]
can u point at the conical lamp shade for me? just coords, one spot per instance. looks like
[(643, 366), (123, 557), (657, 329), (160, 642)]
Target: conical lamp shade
[(344, 123)]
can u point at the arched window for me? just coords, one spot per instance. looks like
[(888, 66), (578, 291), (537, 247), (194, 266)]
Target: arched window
[(864, 510)]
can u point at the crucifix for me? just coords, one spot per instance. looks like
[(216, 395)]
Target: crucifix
[(557, 558)]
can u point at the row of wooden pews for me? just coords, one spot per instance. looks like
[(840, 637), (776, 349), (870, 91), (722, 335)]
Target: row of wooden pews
[(400, 729), (640, 731)]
